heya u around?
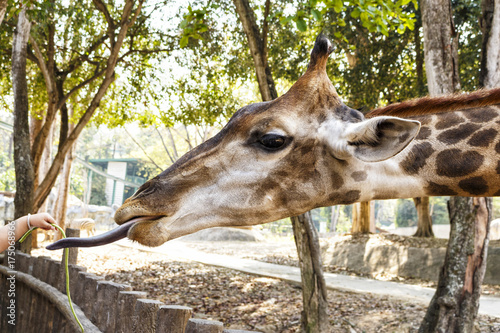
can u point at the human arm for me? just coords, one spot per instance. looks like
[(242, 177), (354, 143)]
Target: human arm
[(19, 227)]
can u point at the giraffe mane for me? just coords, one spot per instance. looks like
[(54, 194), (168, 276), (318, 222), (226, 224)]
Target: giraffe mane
[(432, 105)]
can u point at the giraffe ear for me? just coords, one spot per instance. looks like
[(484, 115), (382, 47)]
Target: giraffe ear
[(380, 138)]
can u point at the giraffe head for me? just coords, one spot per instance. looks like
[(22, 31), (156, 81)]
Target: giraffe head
[(272, 160)]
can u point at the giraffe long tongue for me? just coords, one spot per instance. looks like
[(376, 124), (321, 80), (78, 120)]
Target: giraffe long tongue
[(102, 239)]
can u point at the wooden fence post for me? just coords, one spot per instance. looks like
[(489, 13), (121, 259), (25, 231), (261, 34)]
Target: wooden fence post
[(173, 318), (126, 302), (23, 262), (203, 326), (89, 293), (79, 295), (104, 314), (73, 251), (74, 270), (40, 268), (55, 275), (145, 313)]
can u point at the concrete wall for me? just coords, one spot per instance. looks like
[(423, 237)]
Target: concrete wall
[(423, 263)]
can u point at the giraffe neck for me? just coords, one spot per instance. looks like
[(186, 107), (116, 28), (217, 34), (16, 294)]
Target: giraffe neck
[(454, 153)]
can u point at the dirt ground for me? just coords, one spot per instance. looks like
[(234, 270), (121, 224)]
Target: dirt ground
[(243, 301), (283, 252)]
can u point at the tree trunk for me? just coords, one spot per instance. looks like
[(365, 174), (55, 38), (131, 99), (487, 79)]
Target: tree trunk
[(424, 227), (441, 65), (3, 9), (440, 47), (334, 219), (62, 194), (314, 316), (419, 56), (456, 301), (23, 200), (363, 221), (257, 44), (490, 51)]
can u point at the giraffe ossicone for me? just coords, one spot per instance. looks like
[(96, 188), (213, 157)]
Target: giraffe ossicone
[(307, 149)]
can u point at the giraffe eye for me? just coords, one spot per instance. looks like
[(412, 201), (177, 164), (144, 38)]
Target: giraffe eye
[(272, 141)]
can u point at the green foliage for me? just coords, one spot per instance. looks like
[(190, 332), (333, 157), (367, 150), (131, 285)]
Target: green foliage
[(98, 196), (8, 177), (374, 15), (81, 48), (465, 16), (406, 214), (496, 208), (379, 69), (439, 210), (193, 25), (78, 180)]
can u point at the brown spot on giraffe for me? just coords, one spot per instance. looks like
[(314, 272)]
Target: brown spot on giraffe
[(350, 197), (474, 185), (455, 163), (458, 134), (439, 189), (497, 147), (498, 168), (336, 180), (417, 157), (483, 138), (424, 133), (482, 115), (449, 120), (359, 176)]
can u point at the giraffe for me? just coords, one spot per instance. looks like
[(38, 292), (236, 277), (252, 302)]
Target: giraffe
[(307, 149)]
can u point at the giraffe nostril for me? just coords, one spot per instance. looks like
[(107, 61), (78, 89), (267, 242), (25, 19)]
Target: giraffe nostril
[(145, 189)]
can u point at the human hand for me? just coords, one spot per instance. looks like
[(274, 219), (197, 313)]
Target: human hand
[(42, 220)]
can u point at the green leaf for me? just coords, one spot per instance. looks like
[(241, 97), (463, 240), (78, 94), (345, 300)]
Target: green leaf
[(183, 24), (202, 28), (301, 25), (184, 41), (285, 20), (338, 6), (337, 34), (316, 14), (355, 13)]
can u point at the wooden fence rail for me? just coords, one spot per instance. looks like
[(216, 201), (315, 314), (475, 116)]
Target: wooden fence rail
[(101, 306)]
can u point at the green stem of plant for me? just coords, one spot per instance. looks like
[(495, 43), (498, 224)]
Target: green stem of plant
[(66, 269)]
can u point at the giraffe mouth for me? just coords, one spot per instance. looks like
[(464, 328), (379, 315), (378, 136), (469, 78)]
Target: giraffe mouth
[(111, 236)]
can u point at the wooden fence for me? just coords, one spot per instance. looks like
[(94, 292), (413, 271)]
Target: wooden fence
[(102, 306)]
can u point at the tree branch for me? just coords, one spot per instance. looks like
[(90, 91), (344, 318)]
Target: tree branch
[(165, 146), (40, 61), (109, 76), (77, 62), (265, 30), (82, 84), (143, 150), (171, 137), (101, 6)]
